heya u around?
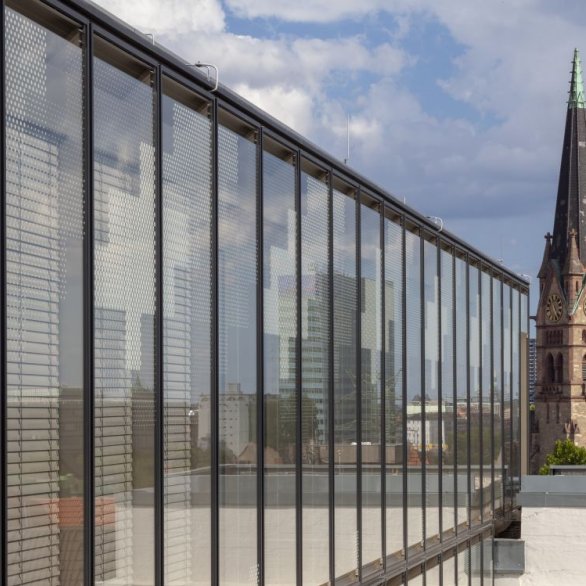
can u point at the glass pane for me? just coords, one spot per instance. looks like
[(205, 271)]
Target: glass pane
[(237, 280), (124, 252), (486, 410), (315, 299), (487, 561), (476, 564), (497, 375), (507, 374), (345, 386), (432, 576), (44, 306), (515, 394), (371, 322), (414, 399), (463, 572), (462, 393), (475, 396), (432, 440), (394, 353), (448, 572), (280, 367), (187, 341), (448, 390)]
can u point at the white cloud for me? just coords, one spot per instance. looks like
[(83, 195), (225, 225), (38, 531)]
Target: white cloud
[(168, 17)]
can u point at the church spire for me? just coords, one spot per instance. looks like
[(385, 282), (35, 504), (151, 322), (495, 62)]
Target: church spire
[(576, 99), (546, 257), (570, 212)]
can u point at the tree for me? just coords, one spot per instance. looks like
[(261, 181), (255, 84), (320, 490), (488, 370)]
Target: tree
[(564, 452)]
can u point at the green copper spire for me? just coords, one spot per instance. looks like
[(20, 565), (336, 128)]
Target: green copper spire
[(576, 86)]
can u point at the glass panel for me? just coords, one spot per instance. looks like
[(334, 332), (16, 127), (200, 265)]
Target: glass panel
[(515, 394), (448, 572), (237, 280), (394, 353), (486, 411), (315, 299), (507, 393), (432, 428), (463, 567), (44, 305), (124, 253), (414, 399), (345, 383), (475, 396), (497, 375), (487, 561), (448, 389), (432, 575), (187, 340), (462, 394), (418, 580), (280, 367), (371, 322), (476, 564)]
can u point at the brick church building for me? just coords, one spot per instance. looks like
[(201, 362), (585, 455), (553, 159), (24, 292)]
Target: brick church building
[(560, 399)]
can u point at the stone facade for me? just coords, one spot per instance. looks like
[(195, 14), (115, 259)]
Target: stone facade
[(560, 390)]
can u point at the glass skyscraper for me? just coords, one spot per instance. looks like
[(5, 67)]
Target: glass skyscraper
[(226, 357)]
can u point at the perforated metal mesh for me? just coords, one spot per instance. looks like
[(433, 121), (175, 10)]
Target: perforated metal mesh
[(237, 280), (393, 333), (124, 276), (315, 340), (280, 353), (187, 200), (44, 224)]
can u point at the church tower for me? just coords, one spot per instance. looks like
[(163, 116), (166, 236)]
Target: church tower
[(560, 399)]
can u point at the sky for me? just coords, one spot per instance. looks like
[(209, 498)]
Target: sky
[(456, 107)]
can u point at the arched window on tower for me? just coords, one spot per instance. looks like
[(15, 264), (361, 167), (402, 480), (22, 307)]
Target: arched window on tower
[(559, 369), (549, 369), (584, 375), (584, 336)]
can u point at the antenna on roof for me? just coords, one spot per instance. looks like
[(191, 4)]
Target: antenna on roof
[(347, 139)]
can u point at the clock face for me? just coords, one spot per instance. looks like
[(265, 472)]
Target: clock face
[(553, 309)]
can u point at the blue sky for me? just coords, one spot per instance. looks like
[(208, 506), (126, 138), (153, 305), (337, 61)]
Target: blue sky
[(456, 106)]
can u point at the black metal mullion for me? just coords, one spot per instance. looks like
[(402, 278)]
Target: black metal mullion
[(480, 395), (298, 380), (215, 367), (3, 324), (260, 423), (88, 317), (330, 431), (158, 350), (492, 390), (423, 389), (455, 389), (511, 393), (404, 389), (468, 427), (440, 403), (383, 392), (359, 385)]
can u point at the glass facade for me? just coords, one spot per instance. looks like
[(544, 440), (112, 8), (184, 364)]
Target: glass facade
[(226, 359)]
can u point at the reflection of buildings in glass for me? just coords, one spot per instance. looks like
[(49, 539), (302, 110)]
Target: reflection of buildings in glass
[(235, 421)]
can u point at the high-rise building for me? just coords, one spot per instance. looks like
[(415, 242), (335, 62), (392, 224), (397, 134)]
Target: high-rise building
[(560, 389)]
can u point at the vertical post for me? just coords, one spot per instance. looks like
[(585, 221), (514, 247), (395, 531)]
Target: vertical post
[(260, 422), (404, 381), (492, 390), (3, 354), (298, 380), (215, 479), (468, 427), (423, 386), (383, 392), (158, 341), (440, 402), (359, 383), (480, 396), (331, 454), (88, 313)]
